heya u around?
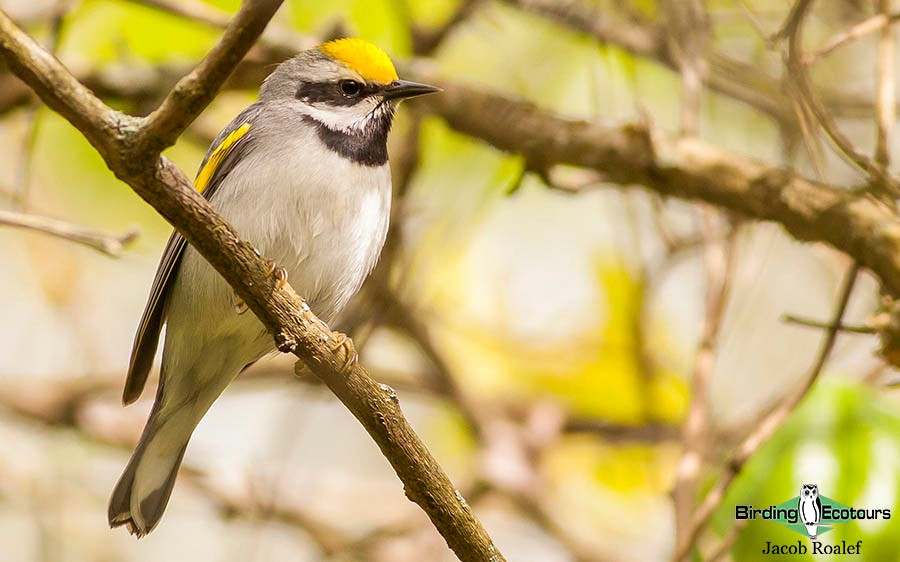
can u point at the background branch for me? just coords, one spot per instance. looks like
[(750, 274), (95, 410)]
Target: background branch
[(875, 23), (886, 110), (793, 30), (104, 243), (697, 430), (767, 425), (690, 169), (728, 76)]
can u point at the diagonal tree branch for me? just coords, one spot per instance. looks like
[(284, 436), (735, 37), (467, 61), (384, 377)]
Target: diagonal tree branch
[(198, 88), (133, 155)]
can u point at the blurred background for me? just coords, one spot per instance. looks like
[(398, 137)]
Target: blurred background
[(541, 330)]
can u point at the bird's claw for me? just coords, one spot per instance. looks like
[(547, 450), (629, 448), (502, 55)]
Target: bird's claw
[(276, 271), (279, 273), (301, 370), (240, 306), (342, 342)]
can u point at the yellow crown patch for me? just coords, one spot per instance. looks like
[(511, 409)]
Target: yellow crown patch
[(363, 57)]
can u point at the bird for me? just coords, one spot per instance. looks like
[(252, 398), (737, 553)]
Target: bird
[(810, 507), (303, 175)]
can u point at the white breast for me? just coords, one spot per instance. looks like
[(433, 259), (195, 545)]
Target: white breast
[(320, 216)]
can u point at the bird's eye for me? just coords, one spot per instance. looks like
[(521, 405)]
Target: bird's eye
[(350, 87)]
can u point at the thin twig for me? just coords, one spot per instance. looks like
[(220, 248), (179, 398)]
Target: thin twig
[(792, 319), (719, 264), (754, 21), (886, 112), (721, 550), (688, 36), (799, 73), (767, 426), (21, 196), (108, 244), (623, 433), (861, 29), (809, 129)]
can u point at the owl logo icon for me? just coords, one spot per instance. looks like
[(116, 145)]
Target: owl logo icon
[(809, 506)]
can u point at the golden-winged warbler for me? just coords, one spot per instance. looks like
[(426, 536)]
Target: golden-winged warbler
[(303, 175)]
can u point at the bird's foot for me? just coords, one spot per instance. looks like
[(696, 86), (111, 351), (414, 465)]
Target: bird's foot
[(240, 306), (276, 271), (301, 370), (342, 342), (279, 273)]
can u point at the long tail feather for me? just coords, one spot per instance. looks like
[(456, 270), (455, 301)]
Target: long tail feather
[(143, 491)]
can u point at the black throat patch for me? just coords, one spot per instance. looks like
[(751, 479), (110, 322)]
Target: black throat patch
[(366, 146)]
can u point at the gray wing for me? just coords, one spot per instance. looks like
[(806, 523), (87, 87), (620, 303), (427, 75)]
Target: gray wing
[(146, 340)]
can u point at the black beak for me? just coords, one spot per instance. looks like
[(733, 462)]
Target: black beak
[(400, 89)]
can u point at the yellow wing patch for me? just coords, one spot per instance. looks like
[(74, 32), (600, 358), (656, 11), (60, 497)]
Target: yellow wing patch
[(363, 57), (218, 154)]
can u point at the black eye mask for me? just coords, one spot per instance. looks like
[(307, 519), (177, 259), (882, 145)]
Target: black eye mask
[(343, 93)]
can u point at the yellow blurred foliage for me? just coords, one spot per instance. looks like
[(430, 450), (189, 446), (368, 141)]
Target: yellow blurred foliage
[(602, 373)]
